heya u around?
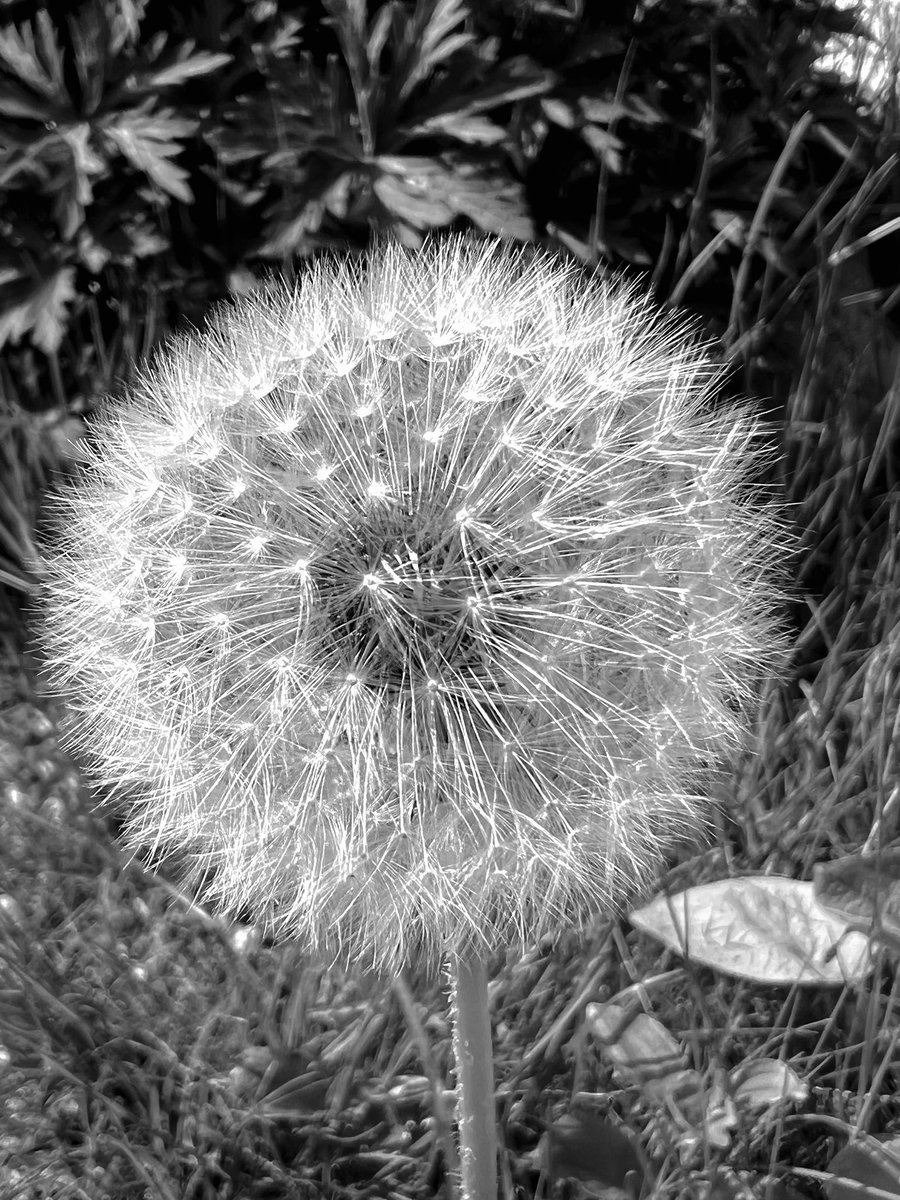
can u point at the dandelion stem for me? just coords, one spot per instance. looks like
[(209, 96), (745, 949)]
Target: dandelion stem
[(476, 1112)]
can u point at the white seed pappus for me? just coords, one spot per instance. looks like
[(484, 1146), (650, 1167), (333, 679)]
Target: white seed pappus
[(414, 604)]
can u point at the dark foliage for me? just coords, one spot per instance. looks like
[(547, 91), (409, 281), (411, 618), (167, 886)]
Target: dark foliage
[(150, 154)]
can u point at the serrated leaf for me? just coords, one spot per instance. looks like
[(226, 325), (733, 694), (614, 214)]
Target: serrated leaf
[(286, 238), (40, 312), (766, 928), (585, 1145), (428, 192), (475, 130), (285, 40), (125, 23), (414, 198), (204, 62), (496, 205), (864, 1168), (425, 40), (516, 79), (637, 1045), (85, 160), (33, 54), (17, 102), (766, 1081), (145, 139)]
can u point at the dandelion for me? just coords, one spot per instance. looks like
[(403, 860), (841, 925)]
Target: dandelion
[(415, 604)]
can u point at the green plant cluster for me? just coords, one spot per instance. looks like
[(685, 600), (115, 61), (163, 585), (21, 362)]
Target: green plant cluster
[(154, 156)]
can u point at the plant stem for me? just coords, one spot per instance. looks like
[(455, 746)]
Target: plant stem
[(476, 1109), (443, 1117)]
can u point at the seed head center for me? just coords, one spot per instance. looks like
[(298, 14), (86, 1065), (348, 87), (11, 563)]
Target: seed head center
[(399, 604)]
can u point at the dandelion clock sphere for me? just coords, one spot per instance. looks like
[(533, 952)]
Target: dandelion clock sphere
[(413, 603), (411, 600)]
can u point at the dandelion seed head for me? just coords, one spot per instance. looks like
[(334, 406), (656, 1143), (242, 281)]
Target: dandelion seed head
[(415, 602), (177, 564), (377, 489)]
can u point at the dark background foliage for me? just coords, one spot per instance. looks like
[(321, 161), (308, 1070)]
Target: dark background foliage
[(154, 157)]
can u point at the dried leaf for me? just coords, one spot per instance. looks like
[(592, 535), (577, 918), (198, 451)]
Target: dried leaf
[(766, 1081), (637, 1045), (645, 1054), (766, 928)]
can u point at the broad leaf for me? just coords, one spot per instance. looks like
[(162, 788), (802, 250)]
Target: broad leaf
[(644, 1054), (865, 1168), (147, 141), (766, 928), (636, 1044)]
